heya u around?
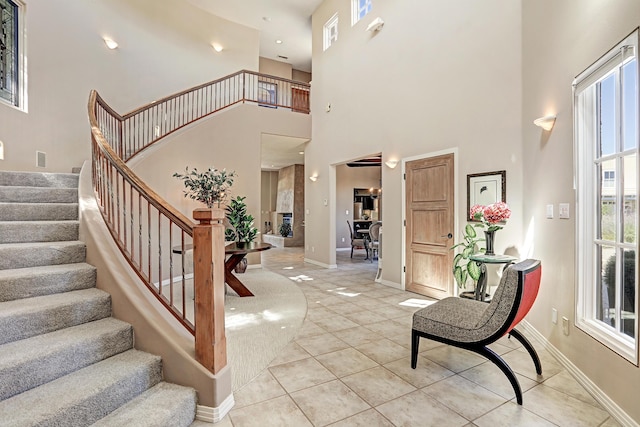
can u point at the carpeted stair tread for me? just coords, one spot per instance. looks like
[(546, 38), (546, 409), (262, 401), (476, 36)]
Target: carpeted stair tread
[(38, 211), (23, 255), (39, 179), (18, 194), (38, 231), (164, 405), (45, 280), (29, 317), (85, 396), (34, 361)]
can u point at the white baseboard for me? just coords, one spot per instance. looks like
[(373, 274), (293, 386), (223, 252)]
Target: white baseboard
[(620, 415), (343, 249), (320, 264), (391, 284), (213, 415), (176, 279)]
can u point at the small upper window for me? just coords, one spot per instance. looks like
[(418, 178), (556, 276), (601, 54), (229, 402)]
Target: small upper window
[(9, 71), (331, 31), (359, 9)]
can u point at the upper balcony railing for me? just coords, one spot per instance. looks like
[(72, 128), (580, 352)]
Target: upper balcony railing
[(146, 125), (154, 237)]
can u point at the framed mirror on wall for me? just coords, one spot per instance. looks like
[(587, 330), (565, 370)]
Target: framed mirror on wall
[(486, 188)]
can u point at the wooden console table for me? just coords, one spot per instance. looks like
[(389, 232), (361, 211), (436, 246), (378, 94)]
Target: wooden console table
[(238, 252)]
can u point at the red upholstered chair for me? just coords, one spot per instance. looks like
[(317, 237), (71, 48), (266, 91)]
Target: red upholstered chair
[(473, 325)]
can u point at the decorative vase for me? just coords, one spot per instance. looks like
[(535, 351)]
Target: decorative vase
[(489, 236), (241, 267)]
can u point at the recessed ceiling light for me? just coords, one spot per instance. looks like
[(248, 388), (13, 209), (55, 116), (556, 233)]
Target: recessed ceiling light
[(266, 19), (217, 47), (300, 152), (278, 41)]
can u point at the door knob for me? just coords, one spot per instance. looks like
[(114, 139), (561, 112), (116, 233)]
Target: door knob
[(448, 236)]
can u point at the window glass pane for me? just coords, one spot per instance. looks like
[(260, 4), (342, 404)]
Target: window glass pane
[(607, 115), (608, 201), (630, 104), (630, 214), (606, 287), (629, 293), (8, 50), (364, 7)]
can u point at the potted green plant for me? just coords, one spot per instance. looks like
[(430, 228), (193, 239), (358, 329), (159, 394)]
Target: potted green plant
[(210, 187), (284, 229), (463, 268), (240, 229)]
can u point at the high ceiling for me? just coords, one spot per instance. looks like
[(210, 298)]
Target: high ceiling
[(285, 20)]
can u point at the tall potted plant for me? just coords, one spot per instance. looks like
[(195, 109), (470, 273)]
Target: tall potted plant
[(240, 229)]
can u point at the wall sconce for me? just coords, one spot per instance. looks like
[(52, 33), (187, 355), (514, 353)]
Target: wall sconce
[(111, 44), (376, 25), (217, 47), (391, 163), (314, 177), (545, 122)]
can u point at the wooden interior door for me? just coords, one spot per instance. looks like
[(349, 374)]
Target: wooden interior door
[(429, 226)]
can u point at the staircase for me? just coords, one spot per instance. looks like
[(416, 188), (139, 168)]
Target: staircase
[(64, 360)]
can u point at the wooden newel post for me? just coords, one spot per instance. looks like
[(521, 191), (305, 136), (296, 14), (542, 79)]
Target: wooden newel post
[(208, 280)]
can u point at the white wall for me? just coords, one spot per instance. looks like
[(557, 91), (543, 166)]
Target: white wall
[(164, 48), (439, 74), (230, 139), (560, 40)]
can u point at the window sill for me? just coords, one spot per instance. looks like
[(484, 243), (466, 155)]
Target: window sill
[(624, 347)]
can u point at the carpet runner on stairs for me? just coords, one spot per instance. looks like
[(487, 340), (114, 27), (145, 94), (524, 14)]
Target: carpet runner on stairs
[(64, 360)]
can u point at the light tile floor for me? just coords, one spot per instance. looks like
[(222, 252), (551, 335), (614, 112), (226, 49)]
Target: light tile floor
[(350, 366)]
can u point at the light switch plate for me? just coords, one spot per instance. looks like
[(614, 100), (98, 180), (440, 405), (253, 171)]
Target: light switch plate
[(550, 211), (563, 210)]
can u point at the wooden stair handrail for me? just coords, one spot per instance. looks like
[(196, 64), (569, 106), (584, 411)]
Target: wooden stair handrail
[(121, 195)]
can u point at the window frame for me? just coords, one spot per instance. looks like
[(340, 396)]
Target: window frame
[(20, 78), (356, 9), (327, 38), (588, 187)]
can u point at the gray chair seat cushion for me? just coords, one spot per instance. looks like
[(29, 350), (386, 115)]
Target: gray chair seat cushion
[(451, 318), (470, 321)]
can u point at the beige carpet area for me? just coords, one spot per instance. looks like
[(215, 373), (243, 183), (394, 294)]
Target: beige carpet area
[(259, 327)]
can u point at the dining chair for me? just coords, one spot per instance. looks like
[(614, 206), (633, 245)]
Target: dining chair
[(474, 325), (374, 239), (357, 242)]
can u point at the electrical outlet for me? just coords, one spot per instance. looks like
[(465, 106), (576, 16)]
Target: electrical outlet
[(554, 316), (565, 325), (343, 240), (313, 249), (346, 212), (550, 211)]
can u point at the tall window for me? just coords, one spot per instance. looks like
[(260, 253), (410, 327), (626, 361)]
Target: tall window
[(331, 31), (606, 144), (359, 9), (9, 71)]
